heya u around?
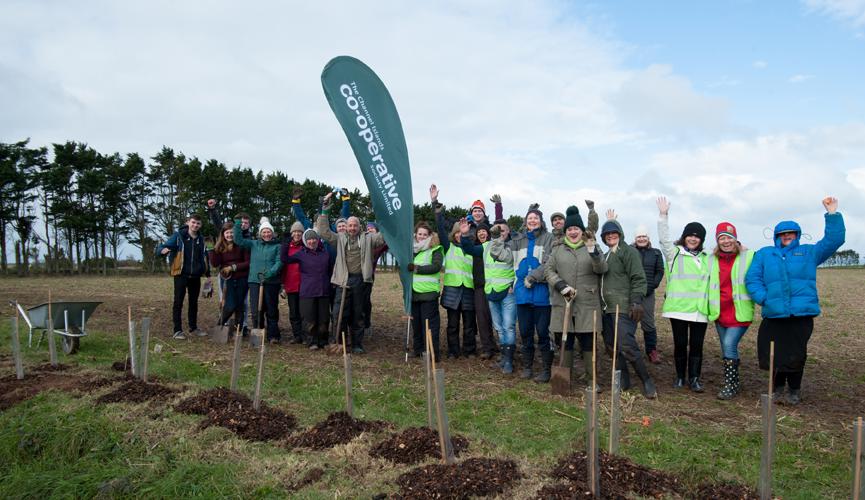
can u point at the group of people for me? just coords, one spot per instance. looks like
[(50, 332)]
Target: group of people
[(559, 284)]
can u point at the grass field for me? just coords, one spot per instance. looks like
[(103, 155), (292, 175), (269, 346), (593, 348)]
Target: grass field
[(62, 444)]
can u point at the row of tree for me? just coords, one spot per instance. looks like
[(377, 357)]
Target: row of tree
[(81, 206)]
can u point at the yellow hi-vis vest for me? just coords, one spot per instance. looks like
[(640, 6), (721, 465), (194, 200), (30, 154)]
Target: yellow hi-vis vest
[(687, 284), (458, 268), (742, 302), (425, 283), (498, 276)]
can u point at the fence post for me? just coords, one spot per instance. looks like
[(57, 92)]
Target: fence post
[(16, 347), (858, 450)]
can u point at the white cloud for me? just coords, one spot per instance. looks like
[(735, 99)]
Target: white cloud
[(848, 11), (799, 78)]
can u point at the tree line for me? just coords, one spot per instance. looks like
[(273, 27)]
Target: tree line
[(75, 207)]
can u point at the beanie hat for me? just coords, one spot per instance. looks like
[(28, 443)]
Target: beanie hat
[(340, 220), (483, 226), (694, 229), (556, 214), (310, 234), (478, 204), (371, 225), (725, 228), (573, 219), (297, 226), (263, 224), (642, 230), (500, 221)]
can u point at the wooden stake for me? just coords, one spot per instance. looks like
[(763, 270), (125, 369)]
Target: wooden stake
[(349, 397), (132, 354), (858, 431), (145, 349), (615, 346), (592, 407), (235, 359), (771, 368), (429, 388), (615, 381), (256, 402), (768, 451), (438, 380), (52, 344), (16, 347)]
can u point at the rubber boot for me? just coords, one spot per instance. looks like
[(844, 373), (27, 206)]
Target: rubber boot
[(737, 386), (528, 361), (357, 343), (508, 359), (546, 367), (624, 374), (681, 361), (695, 366), (649, 389), (728, 391)]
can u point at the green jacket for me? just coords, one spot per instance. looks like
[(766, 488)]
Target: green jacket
[(263, 256), (625, 280)]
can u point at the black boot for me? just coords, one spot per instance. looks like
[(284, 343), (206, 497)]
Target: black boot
[(737, 386), (695, 366), (357, 343), (649, 389), (546, 367), (528, 361), (731, 372), (681, 361), (508, 359)]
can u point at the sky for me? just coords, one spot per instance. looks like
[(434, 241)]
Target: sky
[(742, 111)]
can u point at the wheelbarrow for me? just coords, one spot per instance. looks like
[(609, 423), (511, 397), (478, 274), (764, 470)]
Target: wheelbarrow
[(69, 320)]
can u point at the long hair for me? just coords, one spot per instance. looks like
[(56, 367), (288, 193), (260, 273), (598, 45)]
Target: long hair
[(222, 245), (681, 243)]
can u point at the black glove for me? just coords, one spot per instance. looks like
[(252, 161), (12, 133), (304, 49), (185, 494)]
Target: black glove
[(495, 231), (297, 192), (636, 312), (590, 204), (534, 206), (411, 267)]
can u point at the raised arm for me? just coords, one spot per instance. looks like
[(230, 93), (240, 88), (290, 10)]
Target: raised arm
[(322, 226), (834, 233), (345, 211), (664, 239), (297, 208), (497, 203), (467, 243), (499, 250), (594, 223), (441, 225), (599, 264), (239, 240)]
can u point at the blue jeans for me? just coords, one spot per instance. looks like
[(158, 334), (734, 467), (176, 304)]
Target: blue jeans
[(534, 319), (504, 315), (730, 337)]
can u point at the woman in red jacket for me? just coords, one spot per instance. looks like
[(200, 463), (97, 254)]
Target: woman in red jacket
[(232, 262), (291, 281)]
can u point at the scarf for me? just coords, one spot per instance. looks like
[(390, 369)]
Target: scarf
[(420, 246), (573, 246)]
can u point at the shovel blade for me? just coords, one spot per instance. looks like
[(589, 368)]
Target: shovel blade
[(220, 334), (560, 382), (256, 337)]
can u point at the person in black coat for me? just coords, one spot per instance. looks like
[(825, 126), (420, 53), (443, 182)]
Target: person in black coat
[(653, 264)]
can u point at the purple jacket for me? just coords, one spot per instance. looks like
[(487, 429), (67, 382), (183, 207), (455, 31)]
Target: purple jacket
[(315, 271)]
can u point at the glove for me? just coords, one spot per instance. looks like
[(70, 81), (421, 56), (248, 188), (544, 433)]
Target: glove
[(411, 267), (344, 193), (495, 231), (296, 193), (534, 206), (568, 292), (636, 312), (528, 282), (590, 204), (589, 241), (496, 198), (207, 289)]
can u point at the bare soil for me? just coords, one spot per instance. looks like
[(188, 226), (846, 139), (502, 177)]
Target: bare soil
[(234, 412), (136, 391), (474, 477), (43, 378), (338, 428), (414, 445)]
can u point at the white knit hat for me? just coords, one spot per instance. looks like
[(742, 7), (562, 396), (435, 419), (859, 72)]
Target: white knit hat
[(641, 231), (263, 224)]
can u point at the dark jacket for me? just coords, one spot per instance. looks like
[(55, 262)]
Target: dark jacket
[(315, 271), (784, 279), (624, 283), (653, 265), (237, 257), (454, 297), (188, 255)]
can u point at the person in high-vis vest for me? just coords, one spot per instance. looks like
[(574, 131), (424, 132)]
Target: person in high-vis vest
[(425, 285), (499, 288), (458, 293), (730, 306), (783, 280), (686, 300)]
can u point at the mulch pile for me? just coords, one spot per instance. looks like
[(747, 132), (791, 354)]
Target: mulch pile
[(136, 391), (473, 477), (338, 428), (42, 378), (618, 477), (234, 411), (414, 445)]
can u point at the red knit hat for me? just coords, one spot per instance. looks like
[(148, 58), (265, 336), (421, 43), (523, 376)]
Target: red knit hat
[(478, 204), (725, 228)]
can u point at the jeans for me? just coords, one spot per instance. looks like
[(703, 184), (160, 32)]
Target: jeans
[(730, 337), (504, 316), (184, 285), (534, 319)]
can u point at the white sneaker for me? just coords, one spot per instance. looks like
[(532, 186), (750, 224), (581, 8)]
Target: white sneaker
[(179, 335)]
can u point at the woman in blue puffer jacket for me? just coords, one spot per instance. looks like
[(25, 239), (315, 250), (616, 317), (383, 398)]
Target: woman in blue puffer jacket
[(528, 251), (783, 280)]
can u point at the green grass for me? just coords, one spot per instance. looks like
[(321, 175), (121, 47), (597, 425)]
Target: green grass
[(57, 445)]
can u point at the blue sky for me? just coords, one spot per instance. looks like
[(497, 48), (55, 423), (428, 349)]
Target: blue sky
[(742, 111)]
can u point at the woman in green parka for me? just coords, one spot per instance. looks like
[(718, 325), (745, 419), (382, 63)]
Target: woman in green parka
[(264, 267)]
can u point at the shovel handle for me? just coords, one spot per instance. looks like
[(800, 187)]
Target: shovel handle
[(566, 322)]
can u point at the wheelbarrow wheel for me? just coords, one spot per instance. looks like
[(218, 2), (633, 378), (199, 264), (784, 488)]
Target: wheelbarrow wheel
[(70, 344)]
